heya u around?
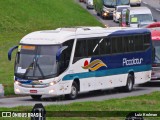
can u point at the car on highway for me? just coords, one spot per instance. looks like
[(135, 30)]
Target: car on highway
[(153, 25), (117, 12), (122, 20), (135, 2), (135, 15), (89, 4), (105, 8), (155, 32), (144, 24)]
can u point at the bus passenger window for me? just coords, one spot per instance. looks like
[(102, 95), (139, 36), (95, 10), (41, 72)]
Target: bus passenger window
[(147, 39), (108, 45), (114, 48), (131, 43), (80, 50), (93, 47), (65, 56), (102, 46), (138, 42), (119, 45)]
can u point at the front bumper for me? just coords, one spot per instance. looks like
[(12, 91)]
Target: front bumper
[(50, 90)]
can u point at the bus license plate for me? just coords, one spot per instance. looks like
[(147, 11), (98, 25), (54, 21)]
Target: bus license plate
[(33, 91)]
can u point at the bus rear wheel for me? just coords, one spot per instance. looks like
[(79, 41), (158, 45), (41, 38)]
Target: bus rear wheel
[(129, 84), (36, 97), (74, 92)]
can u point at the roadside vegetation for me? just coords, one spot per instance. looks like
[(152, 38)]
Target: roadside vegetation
[(149, 102), (20, 17)]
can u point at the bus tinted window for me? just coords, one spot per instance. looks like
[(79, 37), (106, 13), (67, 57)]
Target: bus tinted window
[(120, 45), (102, 46), (139, 42), (146, 41), (69, 48), (131, 46), (108, 45), (81, 48), (93, 47), (65, 56)]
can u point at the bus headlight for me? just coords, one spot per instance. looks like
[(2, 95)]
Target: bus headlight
[(17, 90), (52, 83), (51, 91), (17, 83), (56, 80)]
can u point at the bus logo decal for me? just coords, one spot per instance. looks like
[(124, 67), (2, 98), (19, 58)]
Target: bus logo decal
[(94, 65), (134, 61)]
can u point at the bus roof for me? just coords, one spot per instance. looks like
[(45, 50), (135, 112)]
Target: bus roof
[(60, 35)]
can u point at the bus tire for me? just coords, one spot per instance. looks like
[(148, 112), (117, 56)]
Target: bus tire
[(36, 97), (74, 92), (129, 84)]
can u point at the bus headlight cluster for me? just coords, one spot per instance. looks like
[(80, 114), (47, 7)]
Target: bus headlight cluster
[(52, 83), (17, 90), (17, 83), (51, 91), (56, 80)]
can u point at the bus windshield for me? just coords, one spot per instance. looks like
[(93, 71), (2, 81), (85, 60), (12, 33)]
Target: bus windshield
[(113, 3), (36, 62), (156, 45), (141, 18)]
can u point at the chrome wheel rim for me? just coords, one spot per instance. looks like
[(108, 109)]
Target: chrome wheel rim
[(73, 91), (130, 84)]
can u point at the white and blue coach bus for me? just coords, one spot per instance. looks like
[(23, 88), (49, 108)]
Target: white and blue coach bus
[(68, 61)]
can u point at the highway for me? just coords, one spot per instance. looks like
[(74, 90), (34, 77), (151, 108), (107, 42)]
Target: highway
[(90, 96), (110, 23)]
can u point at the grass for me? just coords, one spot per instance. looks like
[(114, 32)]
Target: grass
[(20, 17), (149, 102)]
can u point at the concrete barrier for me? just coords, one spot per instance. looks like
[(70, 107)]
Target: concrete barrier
[(1, 90)]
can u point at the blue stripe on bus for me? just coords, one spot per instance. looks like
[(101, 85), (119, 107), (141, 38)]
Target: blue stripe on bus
[(109, 72)]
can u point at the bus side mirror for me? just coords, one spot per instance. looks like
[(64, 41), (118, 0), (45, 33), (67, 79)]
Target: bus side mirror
[(59, 52), (10, 52)]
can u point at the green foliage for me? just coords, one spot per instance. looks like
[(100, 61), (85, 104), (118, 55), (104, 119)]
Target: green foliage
[(149, 102)]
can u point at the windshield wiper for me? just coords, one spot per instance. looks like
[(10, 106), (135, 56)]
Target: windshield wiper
[(28, 69), (33, 66), (40, 70), (37, 65)]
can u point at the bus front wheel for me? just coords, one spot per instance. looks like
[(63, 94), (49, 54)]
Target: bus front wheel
[(36, 97), (74, 92)]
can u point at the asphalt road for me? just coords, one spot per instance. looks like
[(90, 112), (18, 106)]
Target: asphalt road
[(155, 12), (90, 96)]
